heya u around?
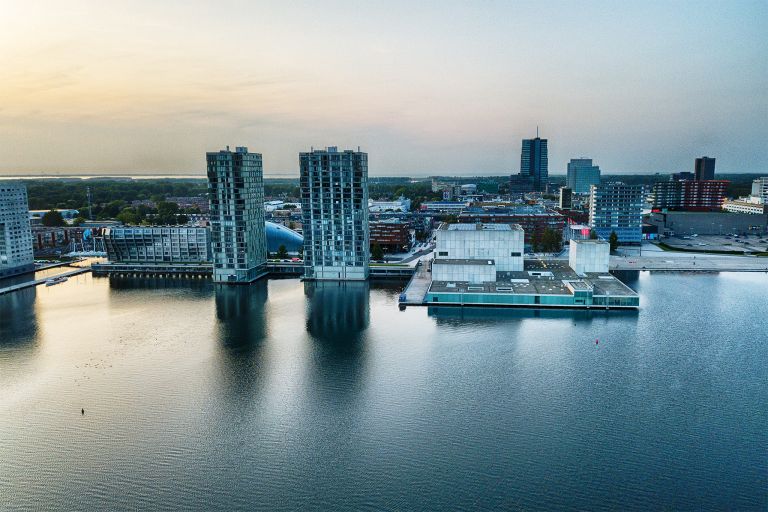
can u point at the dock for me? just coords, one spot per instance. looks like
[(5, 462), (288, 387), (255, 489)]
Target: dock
[(31, 284), (418, 286)]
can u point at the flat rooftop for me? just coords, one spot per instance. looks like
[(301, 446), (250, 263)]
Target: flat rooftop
[(437, 261), (555, 274), (478, 226)]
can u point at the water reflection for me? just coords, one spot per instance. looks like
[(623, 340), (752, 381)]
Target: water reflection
[(462, 315), (241, 333), (18, 318), (158, 283), (337, 318), (337, 311)]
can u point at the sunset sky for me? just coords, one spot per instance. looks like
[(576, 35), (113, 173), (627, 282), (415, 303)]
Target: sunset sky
[(424, 87)]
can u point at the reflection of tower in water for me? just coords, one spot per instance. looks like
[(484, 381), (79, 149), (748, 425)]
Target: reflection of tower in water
[(338, 310), (240, 311)]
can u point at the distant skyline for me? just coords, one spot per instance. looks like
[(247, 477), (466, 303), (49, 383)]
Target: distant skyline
[(425, 88)]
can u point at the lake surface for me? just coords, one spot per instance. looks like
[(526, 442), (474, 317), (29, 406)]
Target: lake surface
[(286, 396)]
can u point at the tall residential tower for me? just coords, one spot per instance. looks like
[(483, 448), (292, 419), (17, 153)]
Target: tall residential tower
[(704, 169), (616, 207), (334, 205), (16, 255), (238, 234)]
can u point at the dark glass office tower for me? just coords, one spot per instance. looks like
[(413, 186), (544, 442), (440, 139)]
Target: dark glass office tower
[(534, 163), (705, 168)]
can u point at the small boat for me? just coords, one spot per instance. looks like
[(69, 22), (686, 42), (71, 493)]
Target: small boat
[(55, 280)]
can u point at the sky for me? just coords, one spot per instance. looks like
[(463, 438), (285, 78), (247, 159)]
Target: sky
[(425, 88)]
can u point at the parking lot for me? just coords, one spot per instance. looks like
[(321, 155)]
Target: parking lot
[(745, 243)]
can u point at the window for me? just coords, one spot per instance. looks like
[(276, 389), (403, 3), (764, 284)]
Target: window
[(442, 253), (515, 254)]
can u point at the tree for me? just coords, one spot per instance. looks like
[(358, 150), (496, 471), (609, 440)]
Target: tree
[(614, 241), (282, 252), (535, 242), (79, 221), (53, 218), (377, 253), (592, 234), (128, 216)]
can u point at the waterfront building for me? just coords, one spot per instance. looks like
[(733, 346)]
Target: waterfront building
[(391, 234), (589, 256), (236, 192), (400, 204), (334, 202), (161, 244), (534, 162), (704, 168), (566, 198), (617, 207), (501, 243), (16, 253), (582, 174)]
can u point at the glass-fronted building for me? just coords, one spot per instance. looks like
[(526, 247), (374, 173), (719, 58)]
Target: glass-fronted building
[(16, 253), (236, 192), (334, 203), (166, 244), (617, 207), (582, 175)]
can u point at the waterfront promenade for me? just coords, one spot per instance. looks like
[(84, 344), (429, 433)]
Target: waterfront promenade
[(36, 282), (690, 263)]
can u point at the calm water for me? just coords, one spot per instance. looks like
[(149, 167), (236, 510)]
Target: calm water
[(282, 396)]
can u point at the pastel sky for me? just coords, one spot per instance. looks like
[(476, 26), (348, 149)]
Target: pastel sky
[(425, 87)]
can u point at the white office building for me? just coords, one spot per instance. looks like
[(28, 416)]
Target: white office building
[(400, 204), (760, 189), (589, 256), (16, 254), (334, 206), (502, 243), (238, 233)]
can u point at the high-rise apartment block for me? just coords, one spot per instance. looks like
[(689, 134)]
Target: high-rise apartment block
[(334, 202), (16, 253), (534, 162), (582, 175), (704, 168), (616, 207), (688, 195), (238, 233)]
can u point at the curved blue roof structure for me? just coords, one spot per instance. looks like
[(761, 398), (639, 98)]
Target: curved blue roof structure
[(278, 235)]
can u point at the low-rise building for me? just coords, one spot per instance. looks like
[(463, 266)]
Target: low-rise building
[(534, 220), (751, 207), (398, 205), (708, 223), (166, 244), (391, 234), (450, 207)]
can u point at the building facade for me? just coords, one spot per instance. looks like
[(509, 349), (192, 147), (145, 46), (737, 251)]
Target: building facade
[(501, 243), (16, 254), (708, 223), (534, 162), (334, 205), (760, 189), (687, 195), (589, 256), (582, 174), (236, 193), (704, 168), (165, 244), (617, 207), (752, 207), (534, 220), (391, 234), (566, 198)]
